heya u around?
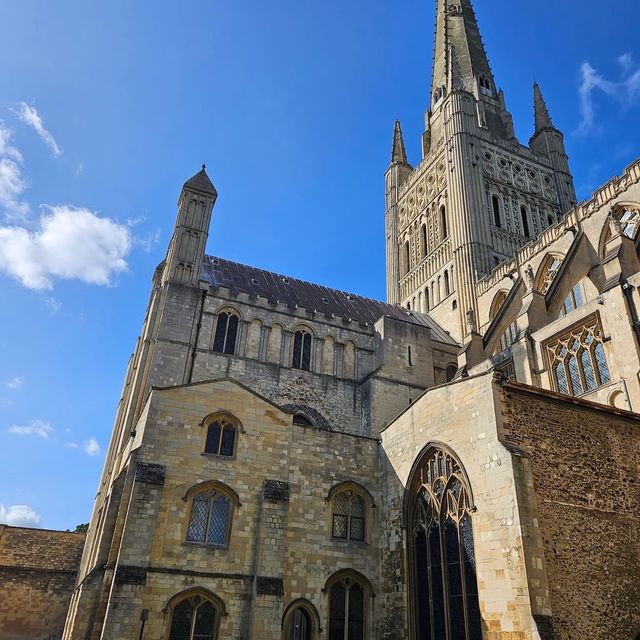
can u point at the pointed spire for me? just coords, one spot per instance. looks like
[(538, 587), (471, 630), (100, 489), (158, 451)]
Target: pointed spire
[(201, 182), (398, 152), (541, 113), (507, 118), (456, 26), (456, 81)]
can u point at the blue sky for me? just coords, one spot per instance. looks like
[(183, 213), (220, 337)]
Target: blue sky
[(107, 108)]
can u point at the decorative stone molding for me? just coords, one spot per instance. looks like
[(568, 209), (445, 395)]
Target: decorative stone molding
[(275, 491), (150, 473)]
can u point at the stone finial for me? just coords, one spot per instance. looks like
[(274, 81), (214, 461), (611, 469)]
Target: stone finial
[(471, 321), (529, 277), (615, 224)]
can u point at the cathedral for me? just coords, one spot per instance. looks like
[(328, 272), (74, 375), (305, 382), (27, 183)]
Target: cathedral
[(460, 462)]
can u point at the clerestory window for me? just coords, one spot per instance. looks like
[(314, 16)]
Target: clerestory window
[(577, 359), (302, 350), (574, 300), (226, 332)]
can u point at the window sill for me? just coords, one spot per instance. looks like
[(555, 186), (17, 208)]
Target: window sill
[(349, 543), (217, 456), (204, 545)]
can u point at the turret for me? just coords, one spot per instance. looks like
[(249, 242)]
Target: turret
[(399, 170), (549, 141), (186, 249)]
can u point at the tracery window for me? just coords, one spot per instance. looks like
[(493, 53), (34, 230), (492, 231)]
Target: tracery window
[(226, 333), (221, 436), (347, 608), (577, 360), (302, 350), (349, 515), (574, 300), (525, 221), (496, 211), (629, 220), (210, 519), (444, 585), (548, 274), (194, 618)]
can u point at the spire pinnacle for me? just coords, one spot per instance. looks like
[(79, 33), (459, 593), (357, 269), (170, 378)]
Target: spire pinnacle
[(201, 182), (455, 72), (541, 113), (398, 152), (457, 27)]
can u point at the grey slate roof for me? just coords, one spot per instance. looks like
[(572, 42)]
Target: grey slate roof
[(276, 287)]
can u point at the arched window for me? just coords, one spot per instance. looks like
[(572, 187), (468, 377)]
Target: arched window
[(497, 303), (348, 611), (302, 420), (447, 287), (574, 300), (195, 616), (578, 360), (451, 371), (427, 300), (496, 211), (221, 436), (210, 518), (407, 258), (443, 222), (525, 221), (443, 584), (423, 230), (348, 514), (226, 332), (302, 350)]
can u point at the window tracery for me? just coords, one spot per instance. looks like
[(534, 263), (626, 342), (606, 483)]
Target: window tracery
[(444, 584), (578, 361), (349, 515), (210, 518), (347, 607), (549, 271), (226, 332), (221, 436), (194, 617)]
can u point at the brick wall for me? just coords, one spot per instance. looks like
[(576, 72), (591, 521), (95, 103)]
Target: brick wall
[(37, 575)]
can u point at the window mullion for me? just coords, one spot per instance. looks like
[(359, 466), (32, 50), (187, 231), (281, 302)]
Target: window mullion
[(445, 580), (594, 362), (209, 513), (463, 579), (346, 613), (193, 622)]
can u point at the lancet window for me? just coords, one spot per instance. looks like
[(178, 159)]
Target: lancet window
[(210, 518), (443, 569), (226, 332), (347, 607), (574, 300), (194, 617), (577, 359), (302, 350)]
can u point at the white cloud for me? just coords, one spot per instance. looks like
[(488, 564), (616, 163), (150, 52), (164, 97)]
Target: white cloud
[(12, 184), (15, 382), (72, 445), (71, 244), (19, 515), (30, 116), (91, 447), (54, 305), (625, 91), (38, 428)]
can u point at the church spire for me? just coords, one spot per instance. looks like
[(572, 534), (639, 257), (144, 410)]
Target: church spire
[(457, 27), (398, 152), (541, 113)]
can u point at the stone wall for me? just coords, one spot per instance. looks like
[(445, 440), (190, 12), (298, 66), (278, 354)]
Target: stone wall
[(37, 575), (584, 466)]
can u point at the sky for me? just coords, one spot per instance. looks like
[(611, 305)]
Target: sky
[(106, 108)]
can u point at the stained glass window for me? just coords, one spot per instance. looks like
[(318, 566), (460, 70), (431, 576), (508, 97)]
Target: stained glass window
[(221, 437), (302, 350), (347, 610), (349, 514), (574, 300), (578, 360), (194, 618), (210, 518), (444, 585), (224, 340)]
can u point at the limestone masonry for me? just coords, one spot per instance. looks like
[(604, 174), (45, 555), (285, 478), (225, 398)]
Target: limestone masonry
[(293, 462)]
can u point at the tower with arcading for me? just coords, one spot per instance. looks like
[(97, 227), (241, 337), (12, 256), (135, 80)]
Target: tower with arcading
[(478, 194)]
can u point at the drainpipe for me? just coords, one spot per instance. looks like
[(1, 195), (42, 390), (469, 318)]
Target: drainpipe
[(631, 308)]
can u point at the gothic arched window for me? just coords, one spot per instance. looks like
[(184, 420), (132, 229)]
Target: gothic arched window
[(407, 258), (195, 616), (574, 300), (443, 584), (578, 360), (221, 436), (349, 513), (226, 332), (348, 593), (525, 221), (447, 286), (300, 621), (423, 230), (210, 518), (443, 222), (548, 272), (302, 350)]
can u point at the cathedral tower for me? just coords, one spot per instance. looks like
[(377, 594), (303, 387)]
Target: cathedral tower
[(478, 194)]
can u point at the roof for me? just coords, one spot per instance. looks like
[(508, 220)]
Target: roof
[(201, 182), (277, 287)]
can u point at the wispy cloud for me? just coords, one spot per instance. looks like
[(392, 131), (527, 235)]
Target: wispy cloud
[(38, 428), (91, 447), (30, 116), (12, 183), (15, 383), (626, 90), (54, 305), (19, 515), (71, 244), (72, 445)]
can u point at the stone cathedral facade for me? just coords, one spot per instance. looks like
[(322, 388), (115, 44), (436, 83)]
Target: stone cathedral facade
[(293, 462)]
